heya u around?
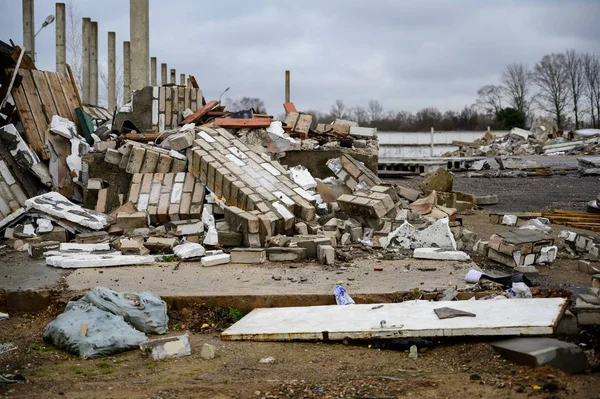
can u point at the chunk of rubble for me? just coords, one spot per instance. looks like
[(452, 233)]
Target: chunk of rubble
[(440, 254), (169, 347), (438, 235), (76, 261), (59, 207)]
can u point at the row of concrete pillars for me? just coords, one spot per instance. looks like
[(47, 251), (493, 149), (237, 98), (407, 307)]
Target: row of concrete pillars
[(137, 71)]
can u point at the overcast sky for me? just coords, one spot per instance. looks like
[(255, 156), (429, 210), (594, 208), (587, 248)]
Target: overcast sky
[(406, 54)]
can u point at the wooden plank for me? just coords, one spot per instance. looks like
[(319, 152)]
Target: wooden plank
[(537, 316), (47, 103), (196, 116), (36, 109), (31, 132), (240, 123), (70, 97), (289, 107), (194, 83), (57, 95), (72, 79)]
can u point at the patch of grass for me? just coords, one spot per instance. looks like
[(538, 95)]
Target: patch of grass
[(39, 348), (107, 371), (235, 314), (149, 365), (103, 365), (178, 327), (81, 372), (224, 316), (169, 258)]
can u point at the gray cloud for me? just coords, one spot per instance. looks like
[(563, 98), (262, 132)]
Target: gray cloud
[(406, 54)]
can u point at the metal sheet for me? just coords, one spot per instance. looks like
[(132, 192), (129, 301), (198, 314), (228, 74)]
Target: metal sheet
[(395, 320)]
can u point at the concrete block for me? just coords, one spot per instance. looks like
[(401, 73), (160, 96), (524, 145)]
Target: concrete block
[(248, 255), (133, 247), (440, 180), (587, 313), (59, 234), (367, 132), (486, 200), (567, 326), (102, 146), (132, 220), (181, 141), (311, 245), (286, 254), (326, 254), (92, 238), (301, 228), (112, 157), (36, 250), (159, 245), (214, 260), (207, 352), (136, 159), (230, 238), (533, 352)]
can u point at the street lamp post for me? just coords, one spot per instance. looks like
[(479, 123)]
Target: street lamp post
[(49, 19)]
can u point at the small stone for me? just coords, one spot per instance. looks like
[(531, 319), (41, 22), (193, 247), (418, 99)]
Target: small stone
[(414, 352), (208, 352), (267, 360)]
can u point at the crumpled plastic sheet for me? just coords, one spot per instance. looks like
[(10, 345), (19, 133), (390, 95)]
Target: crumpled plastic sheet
[(146, 311), (88, 332)]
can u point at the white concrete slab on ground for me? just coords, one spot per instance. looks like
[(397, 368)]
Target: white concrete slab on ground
[(398, 320)]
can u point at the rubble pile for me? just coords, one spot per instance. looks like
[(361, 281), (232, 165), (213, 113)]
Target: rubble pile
[(543, 138)]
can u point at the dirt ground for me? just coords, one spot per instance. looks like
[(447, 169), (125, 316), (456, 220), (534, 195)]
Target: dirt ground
[(450, 368)]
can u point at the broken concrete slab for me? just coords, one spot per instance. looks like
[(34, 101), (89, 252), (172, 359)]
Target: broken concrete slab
[(92, 238), (286, 254), (37, 250), (326, 254), (536, 352), (440, 254), (407, 319), (161, 245), (133, 247), (75, 261), (165, 348), (438, 235), (449, 313)]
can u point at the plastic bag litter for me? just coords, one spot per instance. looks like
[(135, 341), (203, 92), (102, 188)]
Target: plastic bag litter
[(87, 331), (519, 291), (145, 310), (189, 250), (207, 218), (211, 237), (341, 296)]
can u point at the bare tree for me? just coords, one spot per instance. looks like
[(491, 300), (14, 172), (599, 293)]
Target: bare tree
[(360, 115), (576, 78), (103, 72), (489, 98), (516, 82), (74, 42), (375, 111), (550, 75), (591, 68), (338, 110)]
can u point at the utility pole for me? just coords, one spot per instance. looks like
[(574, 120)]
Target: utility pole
[(287, 86), (61, 47)]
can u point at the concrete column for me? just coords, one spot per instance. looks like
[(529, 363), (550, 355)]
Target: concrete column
[(173, 76), (163, 74), (94, 64), (182, 79), (431, 151), (126, 72), (287, 86), (61, 46), (112, 76), (86, 27), (139, 35), (28, 28), (153, 72)]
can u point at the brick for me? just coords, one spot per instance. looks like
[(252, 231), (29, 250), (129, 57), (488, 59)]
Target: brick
[(311, 245), (248, 255), (326, 254), (150, 162), (133, 247), (102, 198), (181, 141), (112, 157), (179, 165), (146, 183), (36, 250), (167, 183), (134, 191), (136, 159), (163, 208), (131, 220), (92, 238), (185, 205), (164, 163), (58, 233)]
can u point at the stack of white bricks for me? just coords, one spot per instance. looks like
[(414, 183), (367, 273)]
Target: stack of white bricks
[(261, 199), (376, 203), (12, 196), (144, 158), (167, 196), (169, 102)]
